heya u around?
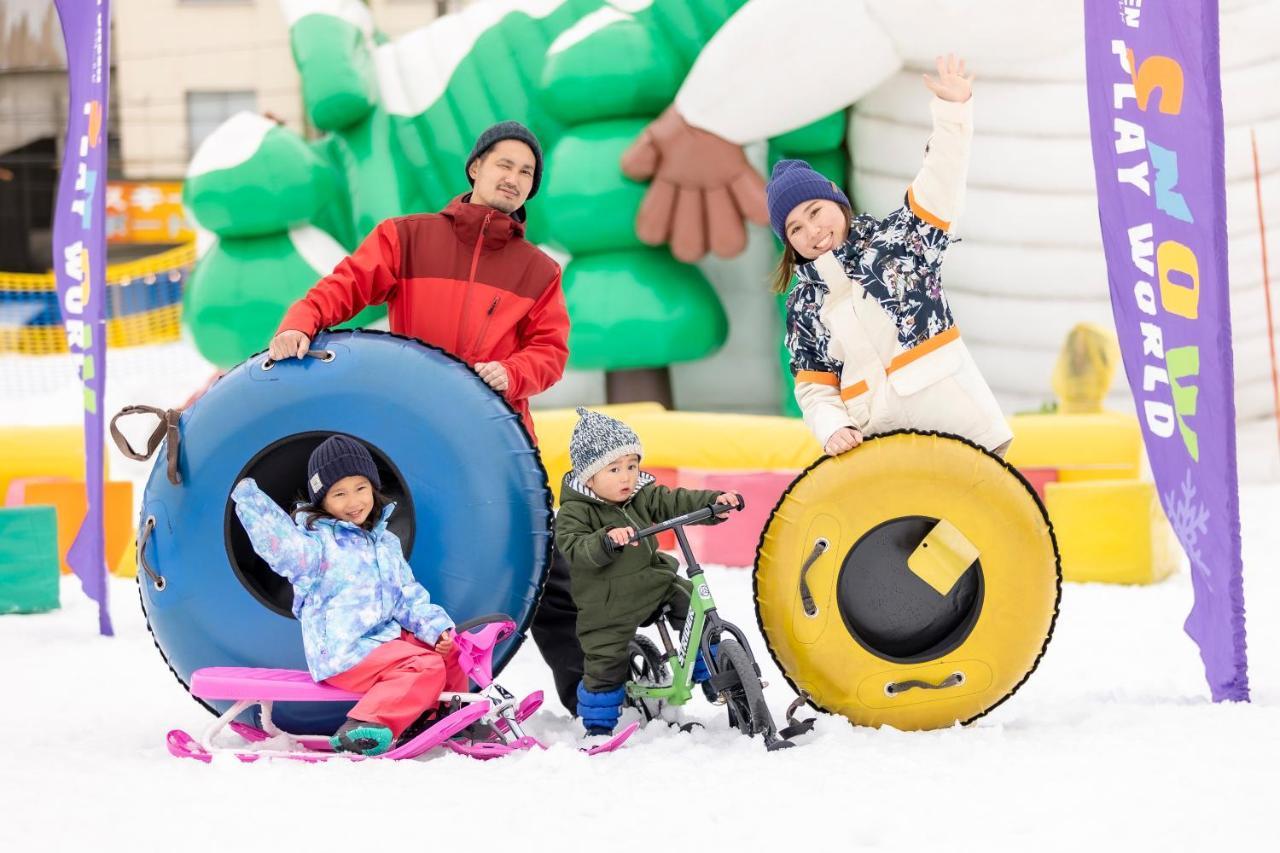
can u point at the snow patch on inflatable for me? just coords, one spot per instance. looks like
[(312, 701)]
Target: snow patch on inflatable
[(231, 143)]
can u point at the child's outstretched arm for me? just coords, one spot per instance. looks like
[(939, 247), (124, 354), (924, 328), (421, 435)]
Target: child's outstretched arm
[(937, 193), (663, 503), (581, 544), (288, 551), (415, 612)]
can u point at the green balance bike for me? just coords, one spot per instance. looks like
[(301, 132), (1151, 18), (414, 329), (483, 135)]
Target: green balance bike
[(664, 677)]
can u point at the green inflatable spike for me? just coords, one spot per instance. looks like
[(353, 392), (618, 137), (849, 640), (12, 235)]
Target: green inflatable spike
[(590, 205), (236, 314), (639, 308), (585, 75), (284, 183)]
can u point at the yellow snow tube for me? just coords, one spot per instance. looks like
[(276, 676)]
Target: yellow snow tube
[(912, 582)]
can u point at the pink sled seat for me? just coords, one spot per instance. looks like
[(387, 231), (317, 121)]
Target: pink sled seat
[(272, 685), (475, 655)]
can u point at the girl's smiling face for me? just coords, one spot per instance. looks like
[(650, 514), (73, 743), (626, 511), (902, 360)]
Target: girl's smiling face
[(349, 499), (815, 227)]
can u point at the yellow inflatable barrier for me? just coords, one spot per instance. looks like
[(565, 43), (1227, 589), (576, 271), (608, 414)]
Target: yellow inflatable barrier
[(708, 442), (41, 451), (912, 582), (1101, 446), (68, 498), (1088, 467), (1111, 532), (1108, 520)]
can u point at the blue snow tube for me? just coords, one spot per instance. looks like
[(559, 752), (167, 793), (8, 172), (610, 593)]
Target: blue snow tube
[(473, 507)]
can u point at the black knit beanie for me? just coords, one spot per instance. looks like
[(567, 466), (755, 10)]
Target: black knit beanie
[(337, 457)]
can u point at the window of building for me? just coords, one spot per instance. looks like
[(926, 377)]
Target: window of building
[(207, 110)]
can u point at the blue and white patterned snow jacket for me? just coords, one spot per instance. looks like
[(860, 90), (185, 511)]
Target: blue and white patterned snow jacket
[(352, 588), (897, 261)]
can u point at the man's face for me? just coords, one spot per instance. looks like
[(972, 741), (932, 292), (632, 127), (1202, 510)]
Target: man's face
[(503, 176)]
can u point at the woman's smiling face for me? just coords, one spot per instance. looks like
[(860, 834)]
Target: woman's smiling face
[(815, 227)]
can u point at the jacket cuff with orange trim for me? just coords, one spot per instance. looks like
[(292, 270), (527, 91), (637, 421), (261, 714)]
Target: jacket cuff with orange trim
[(820, 404), (818, 377)]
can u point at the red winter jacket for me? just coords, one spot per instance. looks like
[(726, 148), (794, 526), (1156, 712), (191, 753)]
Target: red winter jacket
[(465, 280)]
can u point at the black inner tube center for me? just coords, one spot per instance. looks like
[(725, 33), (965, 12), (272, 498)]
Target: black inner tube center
[(280, 470), (889, 610)]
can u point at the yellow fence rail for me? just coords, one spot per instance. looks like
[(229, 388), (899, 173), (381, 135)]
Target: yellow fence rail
[(150, 315)]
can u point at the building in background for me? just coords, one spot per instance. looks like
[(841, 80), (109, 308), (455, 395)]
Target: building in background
[(185, 66), (179, 68), (33, 107)]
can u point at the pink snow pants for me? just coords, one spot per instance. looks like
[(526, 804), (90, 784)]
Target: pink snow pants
[(400, 679)]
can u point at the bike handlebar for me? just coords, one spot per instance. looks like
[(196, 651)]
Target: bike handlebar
[(688, 518)]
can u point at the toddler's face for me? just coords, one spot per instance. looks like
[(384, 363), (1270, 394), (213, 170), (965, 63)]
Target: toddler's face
[(349, 499), (616, 482)]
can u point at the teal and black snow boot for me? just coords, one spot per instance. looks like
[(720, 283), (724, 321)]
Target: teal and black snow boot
[(361, 737)]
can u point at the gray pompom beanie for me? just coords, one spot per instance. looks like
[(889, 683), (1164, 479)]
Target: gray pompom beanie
[(598, 440)]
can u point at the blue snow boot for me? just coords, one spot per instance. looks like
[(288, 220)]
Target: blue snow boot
[(702, 675), (600, 711)]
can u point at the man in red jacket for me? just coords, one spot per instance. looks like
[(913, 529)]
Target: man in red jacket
[(464, 279), (467, 281)]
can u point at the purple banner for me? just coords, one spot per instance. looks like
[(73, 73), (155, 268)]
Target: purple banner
[(80, 261), (1155, 110)]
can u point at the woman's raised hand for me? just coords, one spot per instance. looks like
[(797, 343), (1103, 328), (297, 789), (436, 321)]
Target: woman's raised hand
[(951, 84), (842, 441)]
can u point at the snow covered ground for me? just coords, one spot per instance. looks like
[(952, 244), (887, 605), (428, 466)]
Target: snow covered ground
[(1112, 744)]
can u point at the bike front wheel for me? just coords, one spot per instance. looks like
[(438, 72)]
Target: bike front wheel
[(745, 698)]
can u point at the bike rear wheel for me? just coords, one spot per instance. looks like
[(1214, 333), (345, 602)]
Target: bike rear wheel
[(648, 668)]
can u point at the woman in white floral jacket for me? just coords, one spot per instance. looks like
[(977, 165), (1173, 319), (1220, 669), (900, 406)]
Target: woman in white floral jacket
[(873, 344)]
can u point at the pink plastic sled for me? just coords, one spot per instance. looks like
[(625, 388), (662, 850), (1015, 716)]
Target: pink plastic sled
[(493, 707)]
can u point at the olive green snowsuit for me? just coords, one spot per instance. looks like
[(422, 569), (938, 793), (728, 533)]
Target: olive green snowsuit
[(617, 591)]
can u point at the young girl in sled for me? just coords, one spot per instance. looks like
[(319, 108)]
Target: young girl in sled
[(367, 625), (874, 346)]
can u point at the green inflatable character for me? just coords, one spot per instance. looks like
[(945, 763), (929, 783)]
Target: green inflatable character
[(594, 79)]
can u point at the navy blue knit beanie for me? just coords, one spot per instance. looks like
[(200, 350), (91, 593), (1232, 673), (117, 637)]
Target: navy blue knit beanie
[(337, 457), (795, 182), (508, 130)]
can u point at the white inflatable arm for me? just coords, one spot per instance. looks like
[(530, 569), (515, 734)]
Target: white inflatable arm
[(780, 64)]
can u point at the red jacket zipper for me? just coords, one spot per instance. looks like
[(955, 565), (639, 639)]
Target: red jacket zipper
[(471, 280), (484, 327)]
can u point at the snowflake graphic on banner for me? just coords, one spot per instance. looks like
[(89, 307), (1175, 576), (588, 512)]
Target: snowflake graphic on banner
[(1190, 519)]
